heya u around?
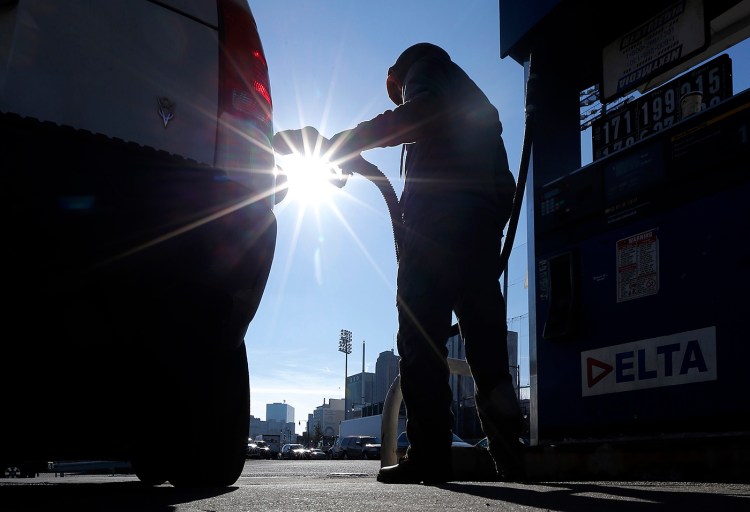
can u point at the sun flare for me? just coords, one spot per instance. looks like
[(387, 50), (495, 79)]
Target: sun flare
[(310, 179)]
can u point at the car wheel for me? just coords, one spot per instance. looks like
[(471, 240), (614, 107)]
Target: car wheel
[(198, 436), (346, 456), (364, 456), (147, 473), (213, 449)]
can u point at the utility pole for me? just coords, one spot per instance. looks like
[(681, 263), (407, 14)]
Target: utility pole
[(345, 346), (363, 375)]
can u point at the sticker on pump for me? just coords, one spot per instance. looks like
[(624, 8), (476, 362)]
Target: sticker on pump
[(638, 266), (672, 360)]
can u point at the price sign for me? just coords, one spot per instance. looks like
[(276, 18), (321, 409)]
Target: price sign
[(660, 108)]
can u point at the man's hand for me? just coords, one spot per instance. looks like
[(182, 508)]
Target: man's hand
[(303, 141), (308, 140)]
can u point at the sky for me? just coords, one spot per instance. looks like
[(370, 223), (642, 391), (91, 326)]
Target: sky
[(335, 264)]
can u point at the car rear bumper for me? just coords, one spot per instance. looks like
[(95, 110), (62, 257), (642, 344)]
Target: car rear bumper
[(118, 255)]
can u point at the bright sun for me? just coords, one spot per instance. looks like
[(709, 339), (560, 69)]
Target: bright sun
[(309, 178)]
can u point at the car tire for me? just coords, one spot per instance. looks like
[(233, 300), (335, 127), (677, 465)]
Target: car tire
[(206, 421), (147, 473), (345, 456), (219, 425)]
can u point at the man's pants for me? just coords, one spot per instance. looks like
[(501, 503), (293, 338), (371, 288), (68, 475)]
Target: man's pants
[(448, 266)]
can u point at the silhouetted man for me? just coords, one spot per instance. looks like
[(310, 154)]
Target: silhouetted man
[(457, 198)]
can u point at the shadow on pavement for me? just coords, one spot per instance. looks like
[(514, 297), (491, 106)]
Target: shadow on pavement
[(600, 496), (108, 496)]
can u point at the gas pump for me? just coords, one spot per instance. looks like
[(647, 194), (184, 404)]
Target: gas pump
[(643, 273), (639, 262)]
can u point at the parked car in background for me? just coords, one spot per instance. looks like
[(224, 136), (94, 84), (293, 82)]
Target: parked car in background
[(356, 447), (317, 454), (264, 449), (294, 451), (258, 450), (252, 450), (402, 443), (334, 448), (138, 187)]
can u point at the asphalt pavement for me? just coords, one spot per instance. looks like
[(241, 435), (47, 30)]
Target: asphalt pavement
[(349, 485)]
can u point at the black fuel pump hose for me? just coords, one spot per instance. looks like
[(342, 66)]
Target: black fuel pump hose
[(523, 169), (376, 176)]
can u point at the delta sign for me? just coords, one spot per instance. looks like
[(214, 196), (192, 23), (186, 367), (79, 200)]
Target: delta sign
[(681, 358)]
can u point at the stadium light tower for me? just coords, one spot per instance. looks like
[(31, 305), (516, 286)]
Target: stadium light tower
[(345, 346)]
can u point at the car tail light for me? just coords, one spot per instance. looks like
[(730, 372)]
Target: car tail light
[(245, 106), (244, 88)]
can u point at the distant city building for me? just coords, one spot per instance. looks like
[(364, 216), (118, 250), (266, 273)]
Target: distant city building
[(365, 393), (255, 427), (328, 416), (286, 430), (281, 412), (386, 371), (465, 415), (463, 386), (359, 390), (515, 370)]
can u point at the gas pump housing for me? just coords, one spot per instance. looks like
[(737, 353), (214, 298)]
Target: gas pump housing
[(639, 262)]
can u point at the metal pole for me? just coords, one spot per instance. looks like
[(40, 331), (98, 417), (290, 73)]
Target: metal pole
[(518, 381), (363, 375), (345, 346), (346, 362), (505, 290)]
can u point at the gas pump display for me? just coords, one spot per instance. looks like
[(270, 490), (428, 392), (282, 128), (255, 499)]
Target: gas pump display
[(660, 108), (643, 283)]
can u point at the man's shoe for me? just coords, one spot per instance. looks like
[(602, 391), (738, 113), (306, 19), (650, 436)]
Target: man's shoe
[(407, 471), (512, 474), (509, 460)]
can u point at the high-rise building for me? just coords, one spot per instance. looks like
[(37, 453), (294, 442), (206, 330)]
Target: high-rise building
[(359, 390), (280, 412), (386, 371)]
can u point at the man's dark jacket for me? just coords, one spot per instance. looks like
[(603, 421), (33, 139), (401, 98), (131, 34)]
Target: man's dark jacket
[(455, 159)]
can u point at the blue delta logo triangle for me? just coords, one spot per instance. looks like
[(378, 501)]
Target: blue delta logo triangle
[(602, 367)]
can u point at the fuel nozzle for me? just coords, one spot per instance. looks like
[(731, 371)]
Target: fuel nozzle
[(308, 142)]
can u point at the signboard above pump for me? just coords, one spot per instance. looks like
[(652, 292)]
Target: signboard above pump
[(672, 36)]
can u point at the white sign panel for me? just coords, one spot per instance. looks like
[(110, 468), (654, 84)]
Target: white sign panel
[(665, 40), (681, 358)]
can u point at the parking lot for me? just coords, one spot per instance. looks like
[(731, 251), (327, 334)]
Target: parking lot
[(350, 485)]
